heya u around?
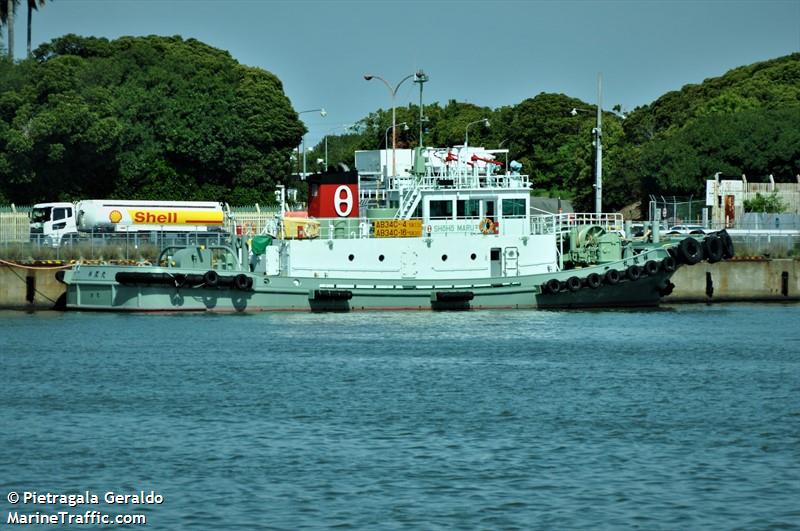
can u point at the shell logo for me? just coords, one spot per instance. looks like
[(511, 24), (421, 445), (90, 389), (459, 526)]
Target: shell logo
[(115, 216)]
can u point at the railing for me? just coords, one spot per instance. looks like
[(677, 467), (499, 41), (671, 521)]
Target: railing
[(459, 181), (559, 223)]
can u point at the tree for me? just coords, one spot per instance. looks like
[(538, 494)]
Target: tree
[(142, 117), (7, 8), (33, 5)]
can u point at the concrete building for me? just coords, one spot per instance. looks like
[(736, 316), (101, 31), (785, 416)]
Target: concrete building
[(727, 197)]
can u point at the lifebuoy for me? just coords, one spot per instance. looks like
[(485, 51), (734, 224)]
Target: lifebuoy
[(486, 226), (690, 251), (593, 280), (714, 249), (634, 272), (651, 268), (668, 264), (611, 277), (211, 279), (249, 228), (573, 284)]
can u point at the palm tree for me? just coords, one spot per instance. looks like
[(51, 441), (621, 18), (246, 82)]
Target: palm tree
[(7, 18), (32, 5)]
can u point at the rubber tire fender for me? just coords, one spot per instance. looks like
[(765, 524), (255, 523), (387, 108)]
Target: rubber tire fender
[(634, 272), (593, 280), (727, 244), (669, 264), (242, 282), (690, 251), (651, 268), (573, 284), (611, 277), (714, 249), (553, 285), (211, 278)]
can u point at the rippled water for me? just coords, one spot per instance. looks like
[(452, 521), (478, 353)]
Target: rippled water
[(683, 417)]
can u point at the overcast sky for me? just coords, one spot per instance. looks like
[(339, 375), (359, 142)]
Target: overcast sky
[(483, 52)]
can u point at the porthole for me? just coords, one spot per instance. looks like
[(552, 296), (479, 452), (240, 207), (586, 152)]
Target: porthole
[(444, 258), (351, 257), (380, 258), (473, 256)]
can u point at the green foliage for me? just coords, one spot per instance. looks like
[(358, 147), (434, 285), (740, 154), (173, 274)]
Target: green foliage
[(770, 204), (141, 117), (168, 118), (745, 121)]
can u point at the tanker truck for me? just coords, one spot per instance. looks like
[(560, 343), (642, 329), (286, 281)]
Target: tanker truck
[(59, 223)]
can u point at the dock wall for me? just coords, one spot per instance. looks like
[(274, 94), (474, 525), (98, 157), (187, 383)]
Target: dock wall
[(738, 280), (29, 288)]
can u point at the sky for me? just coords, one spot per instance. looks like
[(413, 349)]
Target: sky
[(490, 53)]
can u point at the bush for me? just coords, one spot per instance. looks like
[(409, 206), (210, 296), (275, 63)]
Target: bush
[(770, 204)]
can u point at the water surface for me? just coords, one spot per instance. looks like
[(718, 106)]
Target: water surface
[(683, 417)]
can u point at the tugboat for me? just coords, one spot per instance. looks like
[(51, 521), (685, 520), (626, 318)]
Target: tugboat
[(454, 230)]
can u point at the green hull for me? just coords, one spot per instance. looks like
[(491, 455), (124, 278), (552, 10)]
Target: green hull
[(96, 288)]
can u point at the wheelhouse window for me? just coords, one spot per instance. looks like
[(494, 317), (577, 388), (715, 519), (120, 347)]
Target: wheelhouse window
[(441, 209), (469, 208), (513, 207)]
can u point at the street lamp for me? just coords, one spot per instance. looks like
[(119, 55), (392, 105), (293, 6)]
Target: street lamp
[(393, 93), (322, 112), (420, 77), (485, 122), (386, 134), (598, 145)]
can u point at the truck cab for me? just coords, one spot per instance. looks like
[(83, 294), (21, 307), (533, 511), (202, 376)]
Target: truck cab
[(51, 222)]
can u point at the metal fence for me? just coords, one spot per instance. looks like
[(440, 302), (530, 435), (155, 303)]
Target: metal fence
[(674, 210)]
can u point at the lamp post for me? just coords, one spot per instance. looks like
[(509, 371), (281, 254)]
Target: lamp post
[(598, 145), (485, 122), (420, 77), (322, 112), (386, 134), (393, 93)]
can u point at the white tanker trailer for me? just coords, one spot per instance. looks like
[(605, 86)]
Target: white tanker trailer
[(55, 222)]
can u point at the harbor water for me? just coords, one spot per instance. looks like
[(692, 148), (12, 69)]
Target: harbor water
[(683, 417)]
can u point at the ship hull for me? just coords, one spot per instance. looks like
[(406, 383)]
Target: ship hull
[(96, 288)]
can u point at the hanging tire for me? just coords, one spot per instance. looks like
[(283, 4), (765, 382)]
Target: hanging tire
[(573, 284), (727, 244), (668, 264), (714, 249), (651, 268), (634, 272), (690, 251), (593, 280), (242, 282), (552, 286), (673, 252), (211, 279), (611, 277)]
